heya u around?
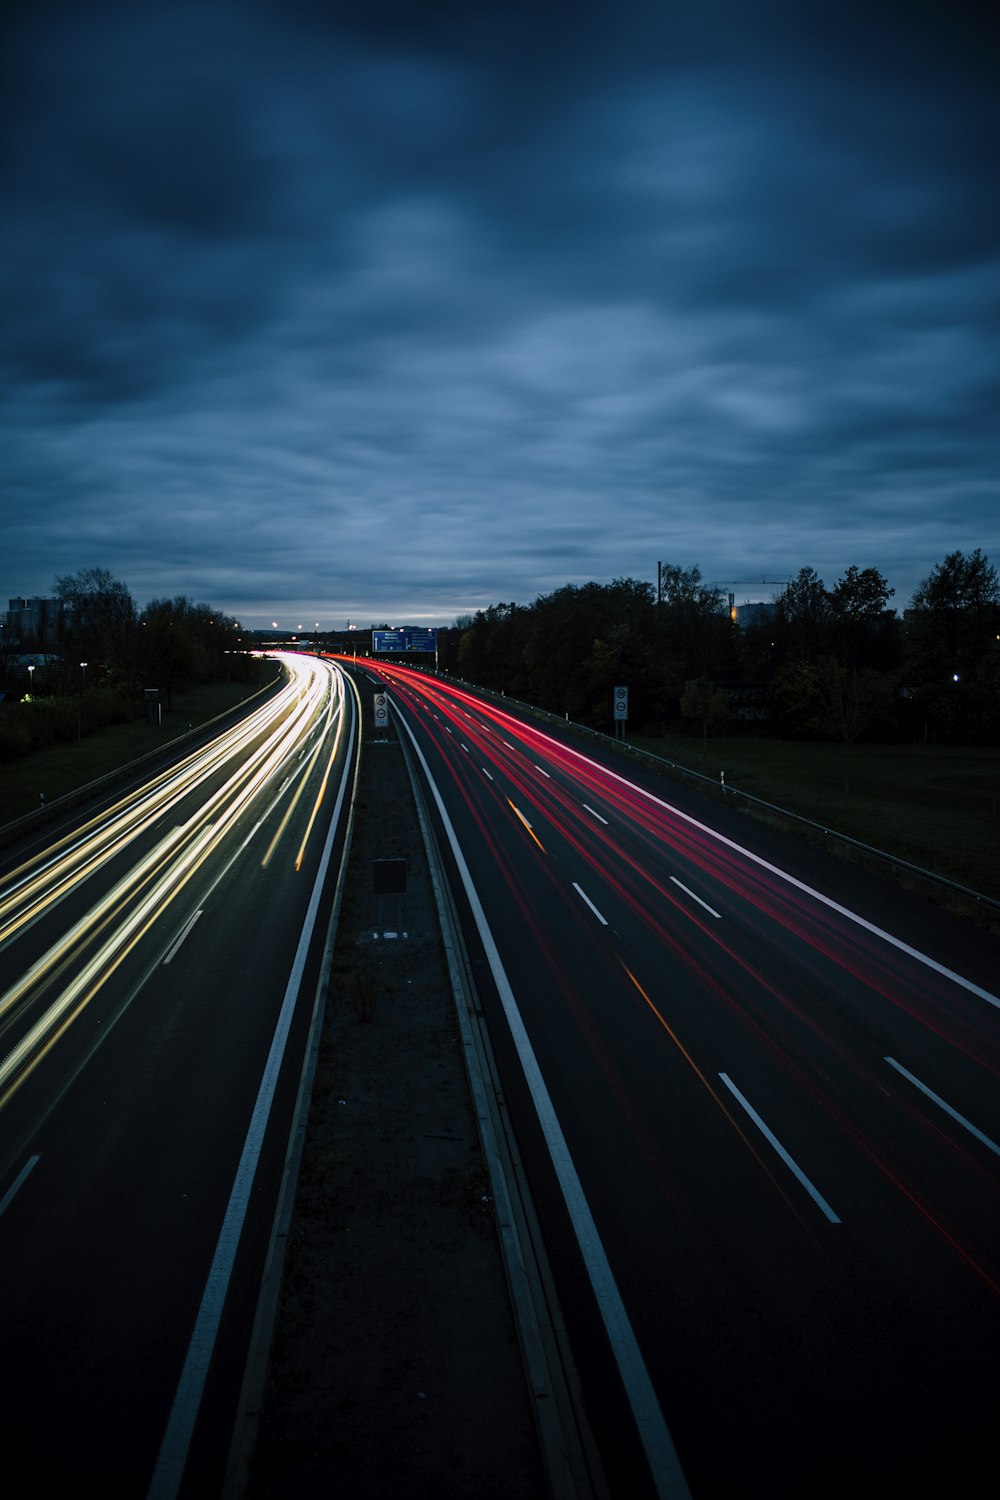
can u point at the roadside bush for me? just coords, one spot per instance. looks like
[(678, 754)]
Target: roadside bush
[(42, 723), (45, 722), (15, 734), (104, 707)]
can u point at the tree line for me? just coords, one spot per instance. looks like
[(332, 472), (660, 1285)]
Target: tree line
[(816, 663), (109, 653)]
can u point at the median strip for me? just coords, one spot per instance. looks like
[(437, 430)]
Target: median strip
[(657, 1443)]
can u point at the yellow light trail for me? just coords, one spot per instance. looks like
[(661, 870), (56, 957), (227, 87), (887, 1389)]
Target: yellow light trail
[(266, 741), (34, 1043), (302, 775), (518, 813), (323, 784), (42, 882)]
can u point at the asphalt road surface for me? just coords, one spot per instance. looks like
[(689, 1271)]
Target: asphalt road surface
[(756, 1091), (158, 963)]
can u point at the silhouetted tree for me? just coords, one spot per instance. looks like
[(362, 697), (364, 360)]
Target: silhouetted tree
[(866, 630), (167, 649), (801, 625), (952, 641), (694, 624), (799, 699), (99, 625), (181, 643), (704, 702)]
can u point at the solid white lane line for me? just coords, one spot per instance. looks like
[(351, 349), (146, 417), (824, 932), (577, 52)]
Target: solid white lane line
[(691, 893), (182, 935), (936, 1098), (769, 1135), (658, 1445), (596, 815), (18, 1182), (176, 1444), (583, 895)]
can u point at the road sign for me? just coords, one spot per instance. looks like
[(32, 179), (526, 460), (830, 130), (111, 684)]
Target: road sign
[(621, 703), (381, 710), (406, 638)]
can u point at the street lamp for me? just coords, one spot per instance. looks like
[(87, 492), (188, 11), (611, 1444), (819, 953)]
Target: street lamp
[(31, 678)]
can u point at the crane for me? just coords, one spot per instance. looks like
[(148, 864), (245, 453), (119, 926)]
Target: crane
[(755, 583), (731, 583), (750, 582)]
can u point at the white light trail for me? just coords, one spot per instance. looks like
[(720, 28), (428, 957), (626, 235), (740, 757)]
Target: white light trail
[(255, 752)]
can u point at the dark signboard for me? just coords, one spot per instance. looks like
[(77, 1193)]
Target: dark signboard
[(388, 877), (404, 639)]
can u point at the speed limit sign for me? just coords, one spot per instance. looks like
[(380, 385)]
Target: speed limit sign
[(621, 702), (381, 710)]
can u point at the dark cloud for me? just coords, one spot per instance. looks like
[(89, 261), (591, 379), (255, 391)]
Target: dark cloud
[(396, 309)]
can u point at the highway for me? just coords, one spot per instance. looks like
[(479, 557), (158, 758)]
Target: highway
[(756, 1095), (159, 959)]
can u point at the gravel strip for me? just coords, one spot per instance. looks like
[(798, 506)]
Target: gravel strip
[(395, 1369)]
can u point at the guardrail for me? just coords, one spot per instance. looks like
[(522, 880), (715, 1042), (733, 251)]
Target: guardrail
[(895, 861)]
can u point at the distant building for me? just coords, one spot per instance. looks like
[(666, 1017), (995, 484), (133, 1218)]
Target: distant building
[(750, 614), (35, 620)]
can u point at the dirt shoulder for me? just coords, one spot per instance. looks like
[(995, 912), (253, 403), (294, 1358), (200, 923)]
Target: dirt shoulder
[(396, 1368)]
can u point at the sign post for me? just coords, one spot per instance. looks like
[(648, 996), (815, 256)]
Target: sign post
[(621, 710), (381, 715)]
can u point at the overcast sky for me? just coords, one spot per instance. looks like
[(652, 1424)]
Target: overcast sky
[(390, 311)]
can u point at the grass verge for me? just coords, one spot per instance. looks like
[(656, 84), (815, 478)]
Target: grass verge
[(936, 806), (64, 768)]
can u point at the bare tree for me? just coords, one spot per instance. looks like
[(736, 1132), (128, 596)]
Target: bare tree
[(99, 620)]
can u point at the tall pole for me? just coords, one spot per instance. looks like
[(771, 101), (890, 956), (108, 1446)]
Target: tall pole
[(79, 712)]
